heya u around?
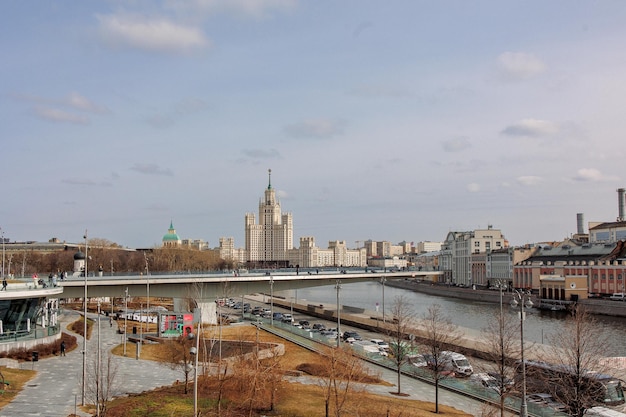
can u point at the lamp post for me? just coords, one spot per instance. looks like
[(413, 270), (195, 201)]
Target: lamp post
[(382, 281), (98, 367), (85, 326), (522, 299), (125, 318), (2, 252), (271, 300), (338, 288), (195, 351)]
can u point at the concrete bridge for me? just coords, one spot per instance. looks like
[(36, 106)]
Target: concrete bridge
[(213, 286)]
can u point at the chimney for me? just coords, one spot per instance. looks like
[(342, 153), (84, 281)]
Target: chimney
[(620, 204), (580, 221)]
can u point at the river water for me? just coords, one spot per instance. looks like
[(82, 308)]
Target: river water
[(539, 326)]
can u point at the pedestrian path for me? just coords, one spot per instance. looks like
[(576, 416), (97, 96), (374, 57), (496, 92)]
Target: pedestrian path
[(56, 390)]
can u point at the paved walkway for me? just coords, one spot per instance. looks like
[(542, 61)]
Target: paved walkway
[(56, 390)]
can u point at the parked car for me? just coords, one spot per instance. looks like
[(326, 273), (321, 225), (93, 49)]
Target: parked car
[(417, 360), (547, 400), (486, 381), (351, 334), (381, 344)]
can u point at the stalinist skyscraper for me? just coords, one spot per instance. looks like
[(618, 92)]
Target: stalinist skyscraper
[(267, 243)]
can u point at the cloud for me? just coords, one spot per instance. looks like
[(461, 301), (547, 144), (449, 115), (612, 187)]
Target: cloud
[(361, 27), (473, 187), (60, 116), (520, 65), (159, 35), (180, 109), (315, 129), (531, 128), (151, 169), (73, 100), (89, 183), (261, 153), (379, 91), (79, 102), (592, 175), (529, 180), (190, 105), (257, 9), (456, 145)]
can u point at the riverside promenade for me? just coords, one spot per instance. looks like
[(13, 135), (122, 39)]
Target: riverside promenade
[(56, 389)]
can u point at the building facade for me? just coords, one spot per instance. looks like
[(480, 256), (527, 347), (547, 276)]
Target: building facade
[(269, 240), (463, 254)]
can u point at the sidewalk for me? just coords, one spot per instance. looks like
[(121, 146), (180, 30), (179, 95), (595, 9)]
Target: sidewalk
[(56, 389)]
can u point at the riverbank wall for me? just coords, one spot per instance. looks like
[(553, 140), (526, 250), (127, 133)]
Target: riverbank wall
[(373, 321), (592, 305)]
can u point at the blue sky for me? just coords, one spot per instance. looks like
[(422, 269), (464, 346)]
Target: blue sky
[(390, 121)]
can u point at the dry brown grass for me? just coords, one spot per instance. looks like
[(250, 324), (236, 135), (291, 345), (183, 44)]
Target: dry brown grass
[(293, 399), (16, 378)]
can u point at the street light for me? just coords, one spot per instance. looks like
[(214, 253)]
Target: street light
[(338, 287), (194, 351), (2, 252), (522, 299), (85, 326), (271, 300), (125, 318), (382, 281)]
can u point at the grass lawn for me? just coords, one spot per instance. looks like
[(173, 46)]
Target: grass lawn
[(293, 399), (16, 378)]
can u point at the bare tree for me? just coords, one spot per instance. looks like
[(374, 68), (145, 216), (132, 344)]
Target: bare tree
[(102, 384), (500, 338), (342, 371), (179, 356), (578, 375), (399, 329), (439, 334)]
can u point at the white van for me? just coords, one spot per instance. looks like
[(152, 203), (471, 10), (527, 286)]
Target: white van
[(457, 363)]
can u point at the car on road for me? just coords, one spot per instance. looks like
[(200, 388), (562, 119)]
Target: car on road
[(350, 334), (417, 360), (318, 326), (384, 346), (486, 381), (305, 324), (287, 318), (547, 400)]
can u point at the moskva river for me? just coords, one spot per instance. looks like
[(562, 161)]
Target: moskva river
[(472, 316)]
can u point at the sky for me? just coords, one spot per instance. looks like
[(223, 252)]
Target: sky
[(396, 121)]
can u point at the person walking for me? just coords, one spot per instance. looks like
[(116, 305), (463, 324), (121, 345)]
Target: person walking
[(63, 348), (4, 284)]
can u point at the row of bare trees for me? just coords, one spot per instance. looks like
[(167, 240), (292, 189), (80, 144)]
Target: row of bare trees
[(580, 347), (112, 259)]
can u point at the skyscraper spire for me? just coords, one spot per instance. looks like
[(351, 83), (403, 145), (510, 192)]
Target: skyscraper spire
[(269, 173)]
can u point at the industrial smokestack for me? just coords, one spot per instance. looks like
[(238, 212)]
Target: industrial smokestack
[(580, 221), (620, 204)]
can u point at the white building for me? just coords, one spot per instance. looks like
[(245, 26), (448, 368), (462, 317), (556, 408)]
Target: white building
[(456, 253), (268, 241), (427, 246), (228, 251)]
